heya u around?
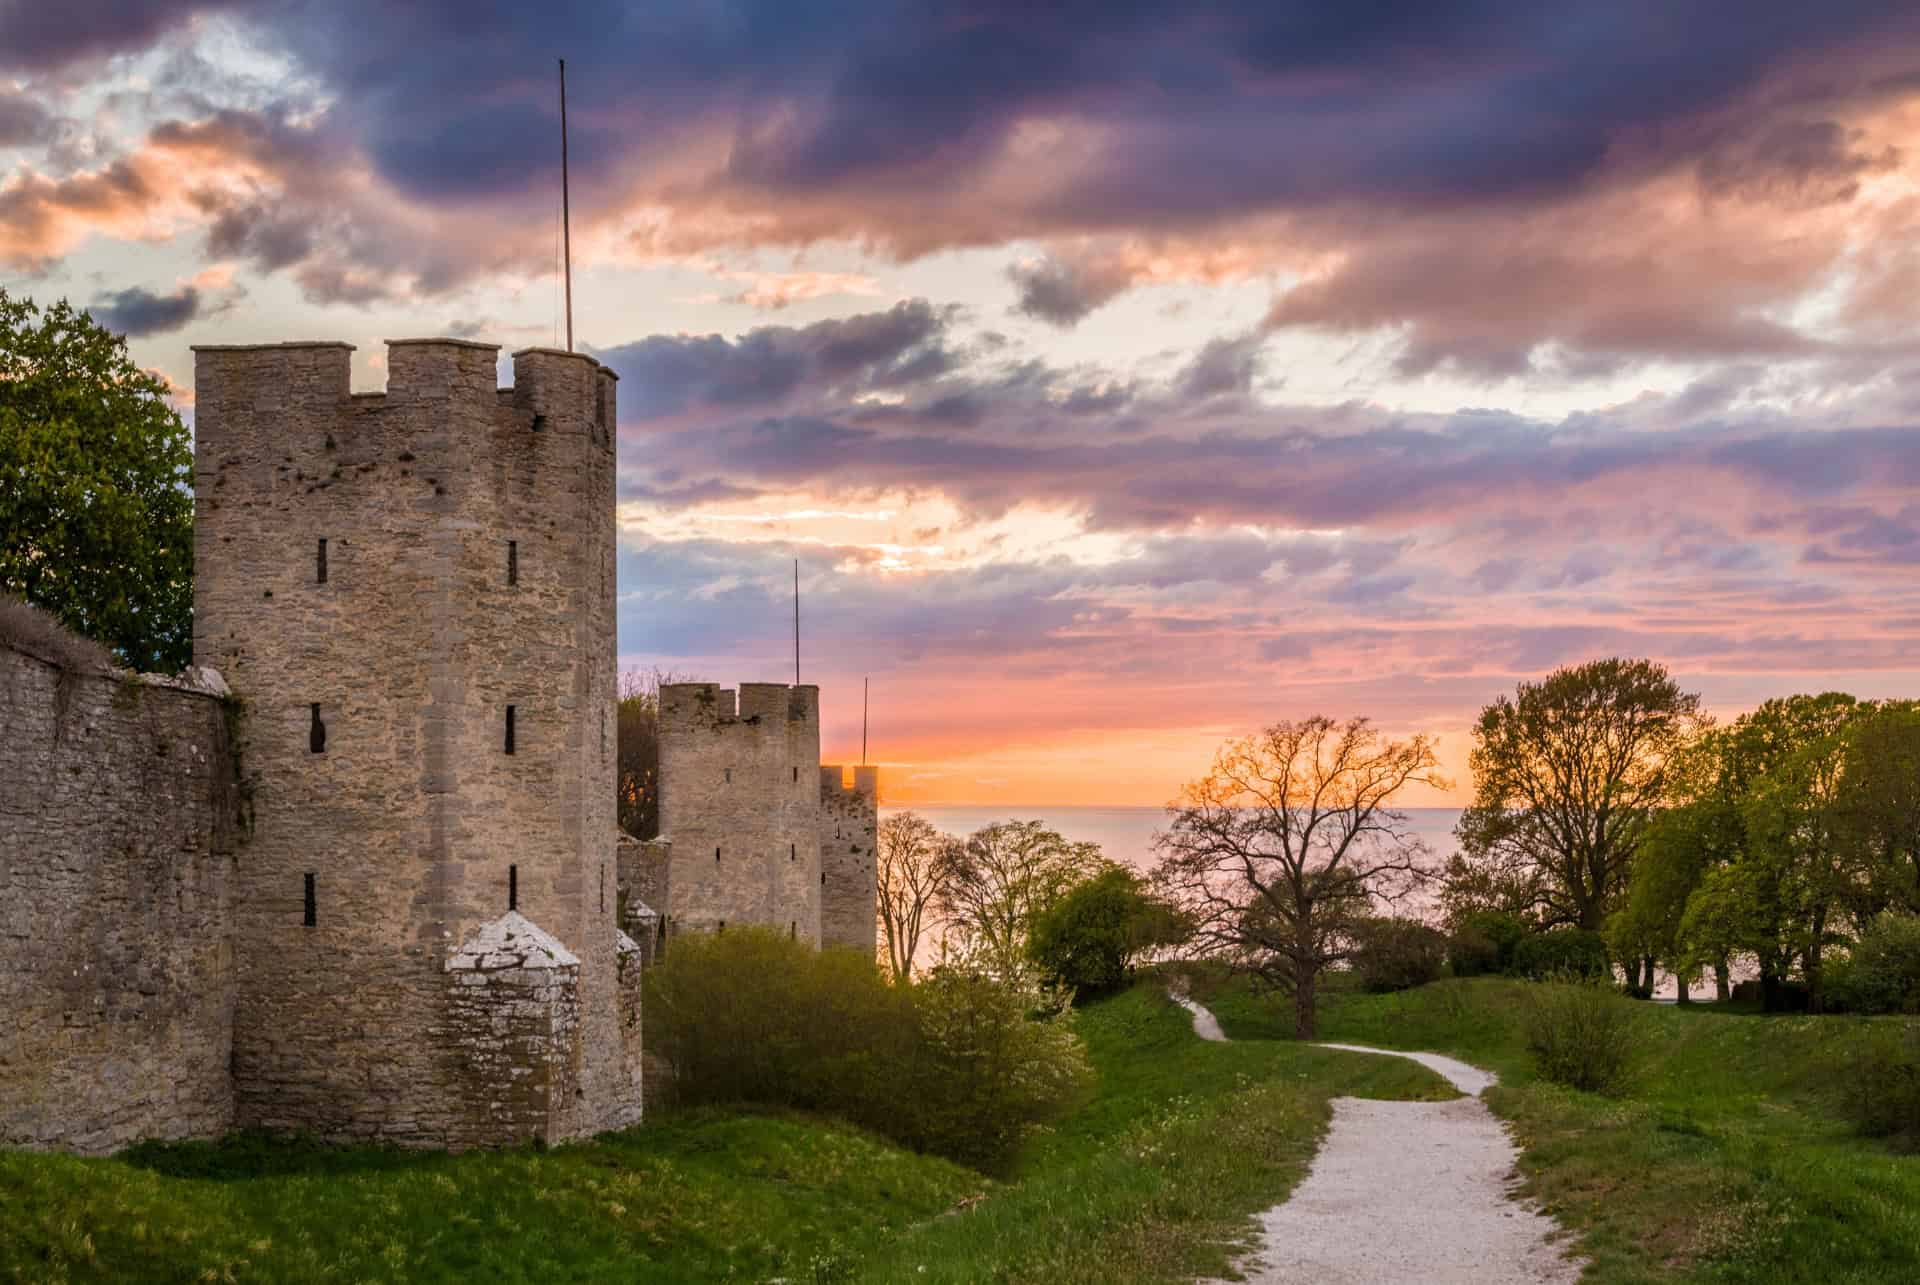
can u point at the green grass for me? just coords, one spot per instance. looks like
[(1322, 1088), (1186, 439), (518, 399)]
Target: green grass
[(1723, 1159), (1154, 1180)]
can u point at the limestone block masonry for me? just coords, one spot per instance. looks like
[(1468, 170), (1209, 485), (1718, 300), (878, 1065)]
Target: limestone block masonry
[(849, 845), (119, 816), (413, 595)]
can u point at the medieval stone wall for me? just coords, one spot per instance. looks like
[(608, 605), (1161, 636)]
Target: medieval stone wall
[(849, 843), (120, 813), (389, 582), (739, 802)]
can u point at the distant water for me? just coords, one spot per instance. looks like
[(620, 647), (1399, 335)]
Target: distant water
[(1126, 834)]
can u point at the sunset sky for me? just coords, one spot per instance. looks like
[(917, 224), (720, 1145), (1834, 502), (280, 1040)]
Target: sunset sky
[(1123, 374)]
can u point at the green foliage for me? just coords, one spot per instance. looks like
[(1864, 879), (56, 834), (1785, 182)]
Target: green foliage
[(1393, 954), (1567, 772), (1562, 952), (1484, 942), (1883, 976), (96, 487), (1880, 1085), (1580, 1035), (637, 757), (994, 885), (1090, 938), (955, 1064)]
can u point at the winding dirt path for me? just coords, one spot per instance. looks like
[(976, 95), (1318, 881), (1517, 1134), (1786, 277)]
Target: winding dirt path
[(1406, 1192)]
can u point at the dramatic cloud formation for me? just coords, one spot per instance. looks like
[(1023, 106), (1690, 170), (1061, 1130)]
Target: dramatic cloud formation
[(1146, 369)]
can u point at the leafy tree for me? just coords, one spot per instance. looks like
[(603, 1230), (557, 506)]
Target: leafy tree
[(1394, 953), (1878, 808), (1277, 853), (915, 861), (998, 880), (1090, 938), (96, 487), (1567, 774), (1759, 825)]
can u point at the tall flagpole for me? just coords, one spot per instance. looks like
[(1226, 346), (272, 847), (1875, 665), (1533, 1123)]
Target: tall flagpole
[(796, 622), (863, 721), (566, 221)]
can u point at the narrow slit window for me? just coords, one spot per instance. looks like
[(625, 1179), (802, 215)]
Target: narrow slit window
[(513, 562), (793, 928), (320, 562), (603, 887), (509, 729), (729, 775), (310, 915), (723, 926), (316, 732), (539, 423), (793, 852), (716, 854), (513, 887), (796, 774)]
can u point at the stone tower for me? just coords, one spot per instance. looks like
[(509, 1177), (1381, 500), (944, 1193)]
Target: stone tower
[(739, 803), (413, 595), (849, 844)]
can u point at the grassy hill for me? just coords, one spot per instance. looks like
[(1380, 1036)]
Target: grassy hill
[(1153, 1180)]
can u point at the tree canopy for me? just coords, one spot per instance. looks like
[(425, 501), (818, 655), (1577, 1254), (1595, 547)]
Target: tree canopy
[(96, 486), (1568, 772)]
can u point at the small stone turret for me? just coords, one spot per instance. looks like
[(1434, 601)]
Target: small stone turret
[(739, 804), (849, 848)]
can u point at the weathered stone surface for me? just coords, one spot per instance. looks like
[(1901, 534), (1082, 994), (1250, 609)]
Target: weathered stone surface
[(118, 818), (849, 842)]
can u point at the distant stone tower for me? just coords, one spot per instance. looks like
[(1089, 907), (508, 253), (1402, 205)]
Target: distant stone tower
[(740, 803), (413, 594), (849, 843)]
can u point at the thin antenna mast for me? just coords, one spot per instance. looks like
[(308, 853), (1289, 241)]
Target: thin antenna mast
[(863, 721), (796, 622), (566, 221)]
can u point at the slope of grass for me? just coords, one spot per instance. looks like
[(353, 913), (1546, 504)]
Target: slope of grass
[(1724, 1159), (1155, 1180), (700, 1197)]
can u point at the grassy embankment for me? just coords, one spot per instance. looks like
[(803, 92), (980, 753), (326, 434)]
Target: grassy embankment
[(1725, 1158), (1152, 1180)]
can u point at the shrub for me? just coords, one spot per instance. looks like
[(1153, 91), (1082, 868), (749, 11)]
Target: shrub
[(1562, 952), (1484, 943), (953, 1065), (1580, 1034), (1394, 954), (1880, 1086), (1883, 976), (1090, 937)]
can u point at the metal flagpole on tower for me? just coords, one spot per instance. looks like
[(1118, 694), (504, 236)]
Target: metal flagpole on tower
[(863, 720), (796, 622), (566, 221)]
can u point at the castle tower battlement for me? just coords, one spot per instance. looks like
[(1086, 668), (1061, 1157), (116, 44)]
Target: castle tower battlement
[(413, 594), (739, 801)]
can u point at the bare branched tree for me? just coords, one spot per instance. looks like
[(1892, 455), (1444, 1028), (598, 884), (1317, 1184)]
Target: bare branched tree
[(1287, 842), (915, 861)]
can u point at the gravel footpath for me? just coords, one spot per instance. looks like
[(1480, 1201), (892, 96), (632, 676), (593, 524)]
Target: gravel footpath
[(1406, 1192)]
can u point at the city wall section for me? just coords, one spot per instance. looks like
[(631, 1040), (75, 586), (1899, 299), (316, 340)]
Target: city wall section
[(412, 593), (121, 813)]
